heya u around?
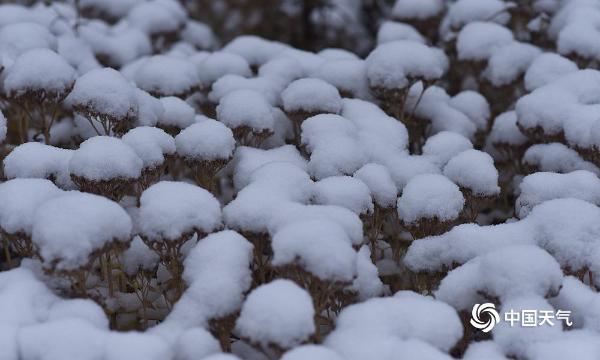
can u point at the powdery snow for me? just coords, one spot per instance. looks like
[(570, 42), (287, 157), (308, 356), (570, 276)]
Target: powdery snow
[(206, 140), (311, 95), (102, 158), (68, 229), (474, 170), (392, 64), (279, 312), (151, 144), (169, 210), (40, 69), (430, 196)]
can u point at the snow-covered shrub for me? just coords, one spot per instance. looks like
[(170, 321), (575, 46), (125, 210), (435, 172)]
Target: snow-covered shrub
[(430, 204), (106, 99), (106, 166), (277, 315), (207, 147), (307, 97), (474, 172), (35, 160), (72, 231), (248, 114), (38, 81), (21, 199), (170, 214), (162, 75), (155, 147), (351, 150)]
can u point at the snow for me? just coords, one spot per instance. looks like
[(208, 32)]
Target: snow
[(344, 191), (556, 157), (463, 12), (199, 34), (157, 16), (349, 76), (103, 158), (311, 95), (117, 45), (170, 209), (291, 212), (337, 54), (479, 40), (279, 312), (150, 109), (39, 69), (392, 64), (380, 183), (271, 187), (474, 105), (367, 281), (474, 170), (404, 316), (151, 144), (417, 9), (217, 271), (543, 186), (547, 68), (508, 63), (35, 160), (248, 159), (310, 244), (20, 200), (518, 271), (501, 101), (505, 131), (393, 31), (254, 49), (68, 229), (430, 196), (177, 113), (17, 38), (515, 340), (246, 108), (313, 352), (445, 145), (3, 127), (219, 64), (206, 140), (269, 87), (104, 92), (163, 75)]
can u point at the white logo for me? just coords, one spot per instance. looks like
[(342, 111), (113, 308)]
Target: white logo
[(488, 310)]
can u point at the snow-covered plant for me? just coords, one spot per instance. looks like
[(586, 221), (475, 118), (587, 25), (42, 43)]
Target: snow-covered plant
[(206, 147), (474, 172), (106, 166), (155, 147), (277, 316), (37, 83), (430, 204), (35, 160), (379, 168), (248, 114), (106, 99), (170, 214), (21, 199), (394, 67), (307, 97), (91, 227)]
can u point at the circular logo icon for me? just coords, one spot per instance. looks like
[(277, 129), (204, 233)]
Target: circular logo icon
[(484, 317)]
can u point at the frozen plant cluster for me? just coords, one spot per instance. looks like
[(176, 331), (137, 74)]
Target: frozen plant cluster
[(165, 195)]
